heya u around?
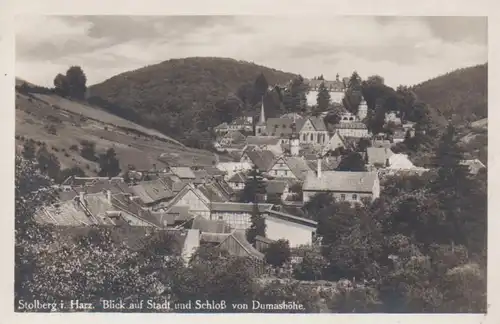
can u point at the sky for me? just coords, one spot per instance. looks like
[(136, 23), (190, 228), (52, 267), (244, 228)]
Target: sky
[(403, 50)]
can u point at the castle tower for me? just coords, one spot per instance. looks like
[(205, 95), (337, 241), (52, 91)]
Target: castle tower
[(363, 109), (260, 128)]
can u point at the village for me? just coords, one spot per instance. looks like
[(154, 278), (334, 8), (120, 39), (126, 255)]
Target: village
[(297, 156)]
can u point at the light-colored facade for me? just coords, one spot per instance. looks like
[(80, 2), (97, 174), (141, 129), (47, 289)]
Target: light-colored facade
[(280, 169), (354, 129), (336, 141), (308, 134)]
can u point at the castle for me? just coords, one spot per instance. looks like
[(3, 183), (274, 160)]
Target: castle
[(336, 89)]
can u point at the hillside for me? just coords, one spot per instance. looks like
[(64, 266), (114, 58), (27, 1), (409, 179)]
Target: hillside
[(461, 95), (183, 97), (63, 124)]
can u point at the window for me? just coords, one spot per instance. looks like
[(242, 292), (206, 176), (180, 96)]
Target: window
[(354, 197), (284, 126), (342, 197), (311, 137), (286, 172), (304, 137)]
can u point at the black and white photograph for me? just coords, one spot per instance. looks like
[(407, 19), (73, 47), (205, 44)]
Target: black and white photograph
[(251, 164)]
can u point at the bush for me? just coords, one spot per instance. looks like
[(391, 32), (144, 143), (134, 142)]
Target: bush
[(73, 147), (278, 253)]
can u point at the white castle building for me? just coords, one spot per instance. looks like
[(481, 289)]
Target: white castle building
[(336, 89)]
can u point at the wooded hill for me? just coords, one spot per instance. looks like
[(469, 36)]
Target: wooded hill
[(184, 97), (461, 95)]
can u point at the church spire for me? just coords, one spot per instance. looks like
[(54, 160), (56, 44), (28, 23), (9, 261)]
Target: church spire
[(262, 119)]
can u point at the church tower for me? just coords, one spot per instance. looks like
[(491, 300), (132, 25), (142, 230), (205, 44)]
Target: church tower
[(260, 128), (362, 109)]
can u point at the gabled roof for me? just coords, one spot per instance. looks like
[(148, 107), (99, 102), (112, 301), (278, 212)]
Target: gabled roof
[(235, 135), (122, 202), (264, 160), (263, 140), (240, 238), (152, 191), (341, 181), (213, 192), (474, 165), (238, 177), (183, 172), (281, 127), (188, 187), (318, 123), (222, 126), (298, 166)]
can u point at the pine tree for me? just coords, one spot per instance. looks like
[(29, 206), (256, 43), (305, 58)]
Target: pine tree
[(109, 164), (256, 188), (323, 99)]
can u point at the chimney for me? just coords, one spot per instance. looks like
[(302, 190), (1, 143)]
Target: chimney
[(319, 166), (108, 195)]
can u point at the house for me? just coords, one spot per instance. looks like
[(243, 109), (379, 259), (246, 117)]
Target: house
[(101, 208), (352, 129), (190, 196), (289, 167), (216, 190), (378, 156), (231, 168), (343, 185), (263, 160), (474, 165), (265, 143), (241, 124), (183, 173), (398, 136), (209, 225), (297, 230), (221, 128), (237, 215), (150, 193), (279, 225), (336, 141), (237, 181), (277, 188), (392, 117), (231, 137)]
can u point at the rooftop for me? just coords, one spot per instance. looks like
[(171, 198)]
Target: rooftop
[(341, 181)]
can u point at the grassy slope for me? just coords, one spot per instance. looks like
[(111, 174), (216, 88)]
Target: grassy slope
[(75, 121)]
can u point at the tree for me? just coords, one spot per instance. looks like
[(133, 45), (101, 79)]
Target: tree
[(260, 87), (278, 253), (253, 190), (295, 97), (88, 150), (323, 99), (29, 149), (213, 274), (375, 79), (76, 82), (352, 97), (363, 144), (255, 187), (109, 164), (32, 191), (61, 85), (351, 162), (311, 267), (48, 163)]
